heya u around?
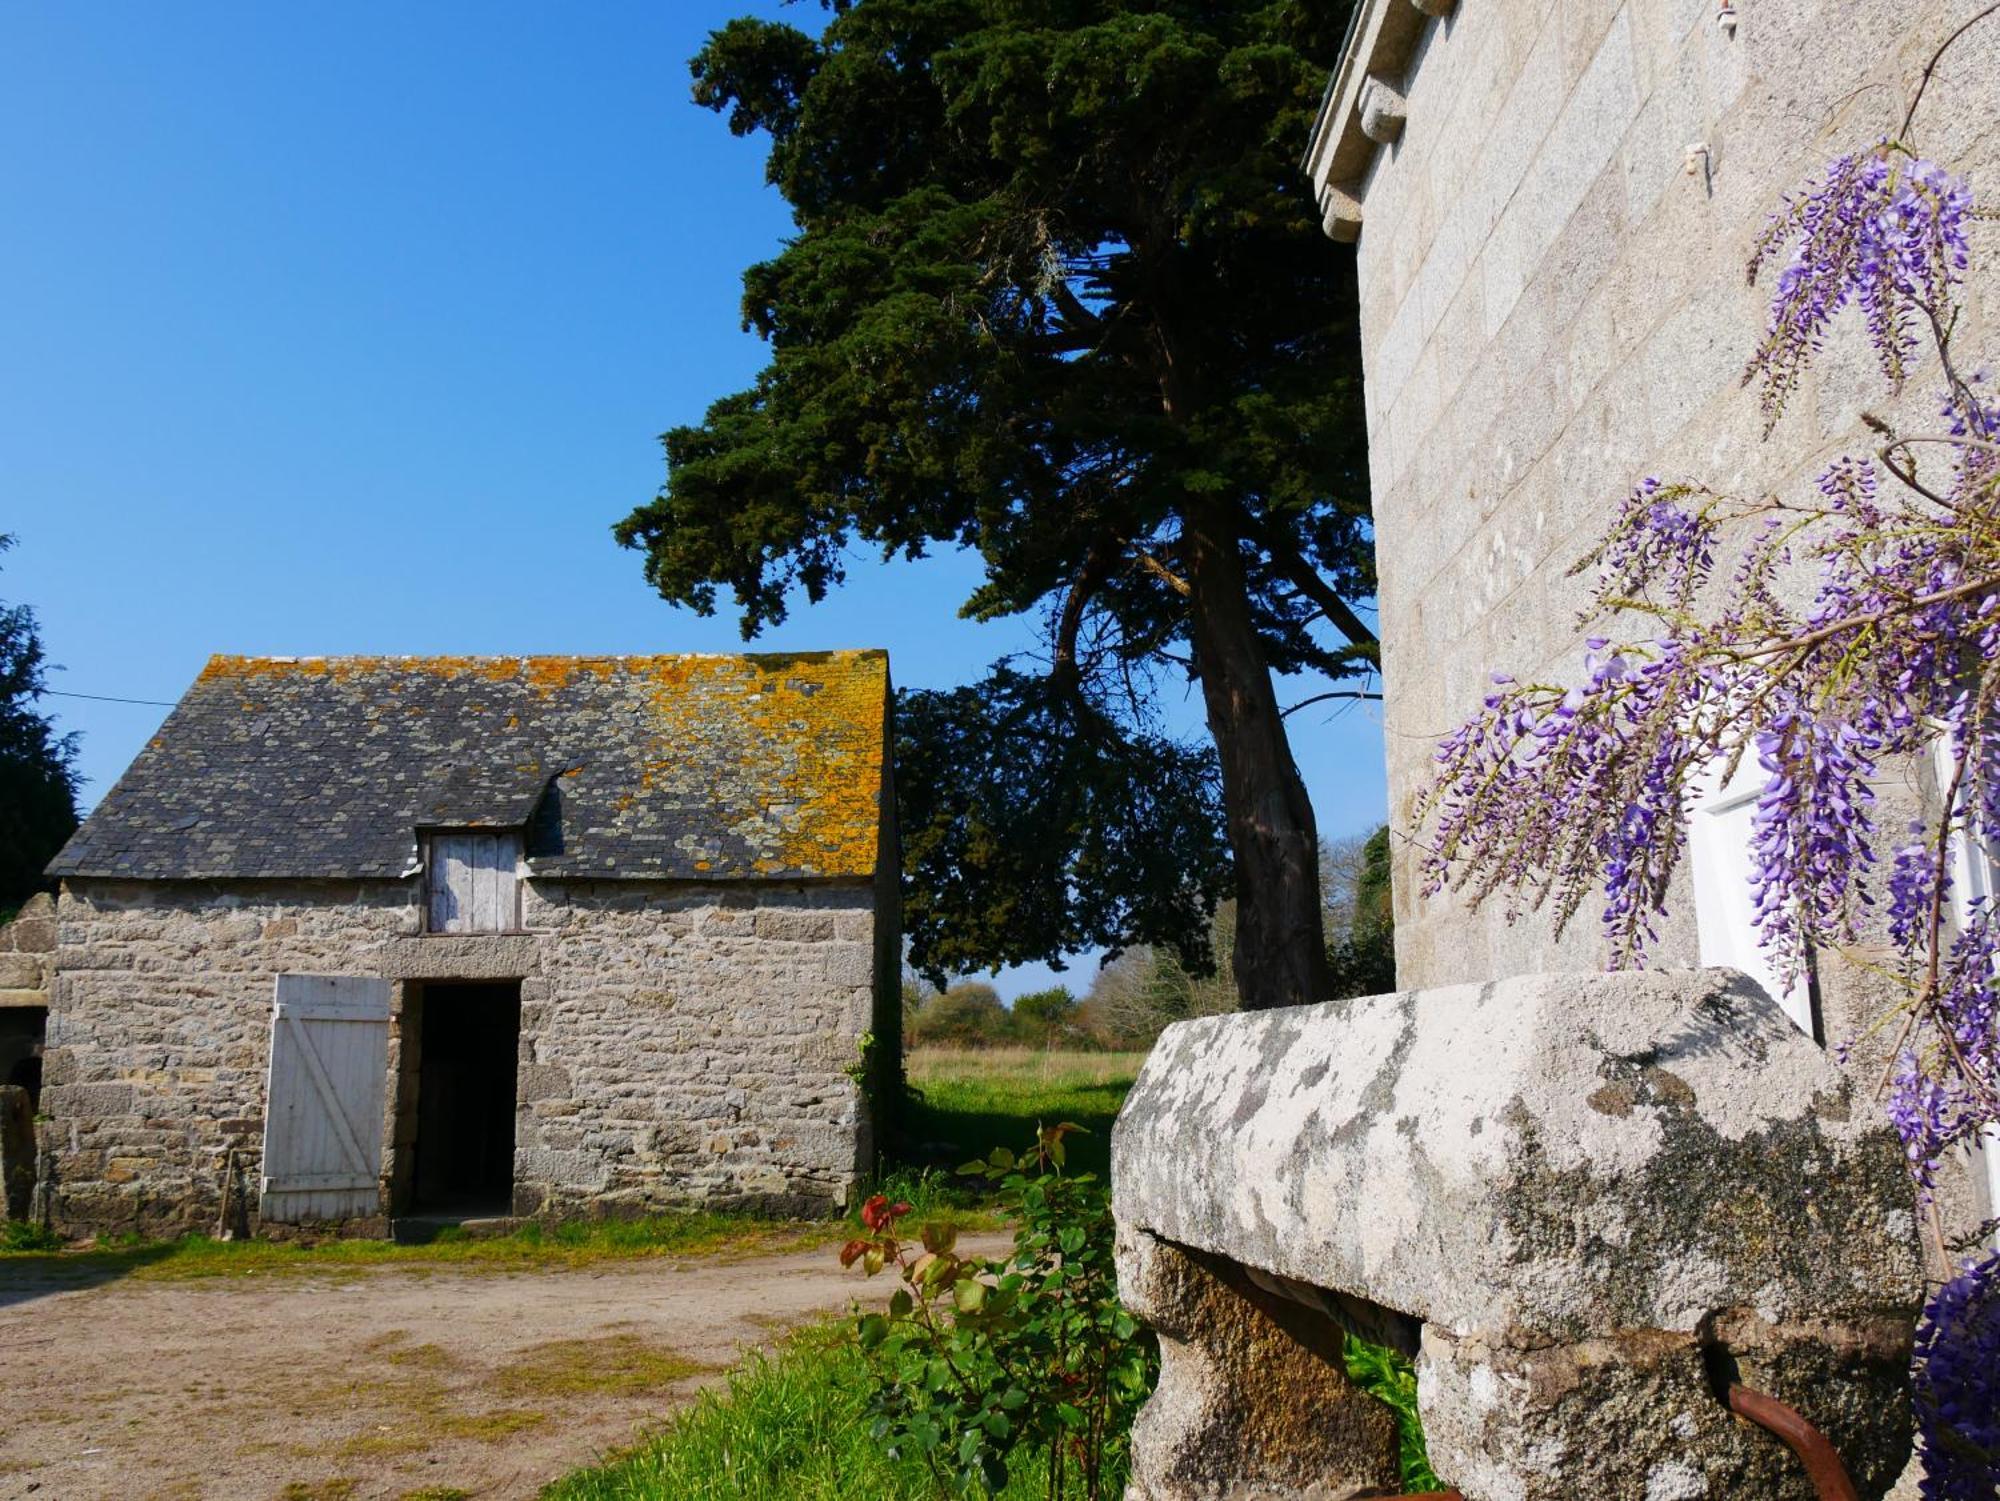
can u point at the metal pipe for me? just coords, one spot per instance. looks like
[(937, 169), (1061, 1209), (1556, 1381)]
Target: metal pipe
[(1823, 1466)]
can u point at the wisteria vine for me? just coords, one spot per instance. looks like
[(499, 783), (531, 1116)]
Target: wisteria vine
[(1552, 793)]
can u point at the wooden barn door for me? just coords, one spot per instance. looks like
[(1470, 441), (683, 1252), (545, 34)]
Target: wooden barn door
[(323, 1112)]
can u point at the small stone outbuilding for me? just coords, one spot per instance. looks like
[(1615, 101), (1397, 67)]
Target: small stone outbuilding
[(364, 937)]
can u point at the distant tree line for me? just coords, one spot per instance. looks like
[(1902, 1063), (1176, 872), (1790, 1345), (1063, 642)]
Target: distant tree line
[(1144, 989)]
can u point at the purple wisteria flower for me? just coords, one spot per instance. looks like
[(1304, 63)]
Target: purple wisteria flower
[(1855, 636), (1957, 1387), (1882, 230)]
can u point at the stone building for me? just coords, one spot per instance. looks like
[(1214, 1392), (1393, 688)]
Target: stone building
[(1552, 207), (364, 937)]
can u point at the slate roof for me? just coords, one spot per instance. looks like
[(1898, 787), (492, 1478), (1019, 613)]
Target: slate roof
[(662, 767)]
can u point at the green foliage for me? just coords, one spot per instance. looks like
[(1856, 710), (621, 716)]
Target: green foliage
[(1362, 965), (1384, 1374), (1374, 907), (37, 766), (1362, 959), (980, 1362), (1058, 294), (1017, 792), (1044, 1018), (569, 1243), (791, 1425), (26, 1235), (970, 1014)]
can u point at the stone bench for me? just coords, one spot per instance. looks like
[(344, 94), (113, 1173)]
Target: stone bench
[(1583, 1203)]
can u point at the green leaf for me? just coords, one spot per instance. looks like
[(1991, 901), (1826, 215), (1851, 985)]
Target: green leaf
[(968, 1296)]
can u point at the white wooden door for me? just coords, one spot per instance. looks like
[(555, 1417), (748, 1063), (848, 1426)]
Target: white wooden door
[(323, 1111), (472, 883), (1725, 909)]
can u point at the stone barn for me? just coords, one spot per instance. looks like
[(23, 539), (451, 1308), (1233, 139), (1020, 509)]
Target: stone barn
[(359, 938)]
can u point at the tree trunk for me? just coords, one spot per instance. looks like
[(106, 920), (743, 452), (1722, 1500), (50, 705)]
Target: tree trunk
[(1280, 957)]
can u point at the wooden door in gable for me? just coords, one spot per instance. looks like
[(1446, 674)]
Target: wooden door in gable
[(323, 1109)]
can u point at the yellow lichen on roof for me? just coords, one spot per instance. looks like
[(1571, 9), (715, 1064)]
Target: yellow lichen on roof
[(790, 745), (812, 743)]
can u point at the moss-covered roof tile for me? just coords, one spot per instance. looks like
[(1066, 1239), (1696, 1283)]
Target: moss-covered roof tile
[(660, 767)]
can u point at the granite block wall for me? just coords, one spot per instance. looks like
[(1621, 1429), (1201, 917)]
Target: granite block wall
[(679, 1043), (1553, 306)]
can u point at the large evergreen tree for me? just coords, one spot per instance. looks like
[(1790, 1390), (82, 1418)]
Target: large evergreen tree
[(37, 766), (1058, 293)]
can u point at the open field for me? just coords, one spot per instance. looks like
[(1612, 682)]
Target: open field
[(965, 1103), (1024, 1069)]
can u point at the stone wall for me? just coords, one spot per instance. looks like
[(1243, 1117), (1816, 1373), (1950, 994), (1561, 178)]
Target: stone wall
[(28, 948), (1553, 305), (678, 1043)]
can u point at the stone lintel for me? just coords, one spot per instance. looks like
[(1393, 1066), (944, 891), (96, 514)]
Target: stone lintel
[(24, 998), (462, 956)]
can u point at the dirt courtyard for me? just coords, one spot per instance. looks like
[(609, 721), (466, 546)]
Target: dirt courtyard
[(394, 1381)]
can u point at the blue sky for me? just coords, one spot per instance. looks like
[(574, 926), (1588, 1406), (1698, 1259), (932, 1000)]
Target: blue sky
[(351, 329)]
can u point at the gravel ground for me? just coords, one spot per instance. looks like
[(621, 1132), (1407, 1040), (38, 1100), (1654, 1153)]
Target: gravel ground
[(392, 1382)]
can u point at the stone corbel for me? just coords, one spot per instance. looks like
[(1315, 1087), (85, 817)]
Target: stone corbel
[(1341, 211), (1383, 109)]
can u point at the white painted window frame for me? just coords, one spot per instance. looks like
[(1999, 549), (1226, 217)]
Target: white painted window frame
[(1725, 914)]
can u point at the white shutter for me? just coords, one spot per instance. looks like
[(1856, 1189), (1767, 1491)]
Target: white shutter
[(1972, 876), (472, 883), (323, 1108), (1719, 833)]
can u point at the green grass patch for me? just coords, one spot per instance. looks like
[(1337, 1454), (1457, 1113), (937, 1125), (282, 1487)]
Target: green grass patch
[(968, 1103), (26, 1235), (577, 1243), (790, 1426), (1389, 1376)]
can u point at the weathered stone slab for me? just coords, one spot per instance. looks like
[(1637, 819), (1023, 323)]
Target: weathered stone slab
[(1599, 1194)]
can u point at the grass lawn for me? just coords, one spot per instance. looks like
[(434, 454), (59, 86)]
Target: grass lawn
[(575, 1244), (967, 1103)]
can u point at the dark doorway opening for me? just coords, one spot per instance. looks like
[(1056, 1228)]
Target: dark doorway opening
[(21, 1031), (470, 1040)]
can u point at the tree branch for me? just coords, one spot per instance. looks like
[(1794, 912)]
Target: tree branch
[(1292, 563), (1931, 66), (1163, 573), (1320, 698), (1070, 621)]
